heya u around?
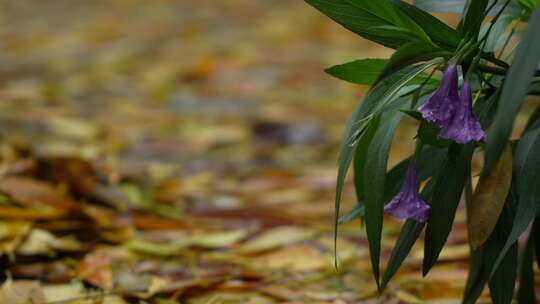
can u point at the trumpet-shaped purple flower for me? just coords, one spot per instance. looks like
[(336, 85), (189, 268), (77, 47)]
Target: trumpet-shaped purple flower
[(463, 127), (407, 203), (441, 105)]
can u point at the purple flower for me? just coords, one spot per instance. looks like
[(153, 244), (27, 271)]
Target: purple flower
[(463, 127), (407, 203), (441, 105)]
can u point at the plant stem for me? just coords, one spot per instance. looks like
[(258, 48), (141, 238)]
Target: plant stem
[(495, 19), (491, 69)]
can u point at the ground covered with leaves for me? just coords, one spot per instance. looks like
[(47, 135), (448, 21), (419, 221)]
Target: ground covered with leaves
[(165, 152)]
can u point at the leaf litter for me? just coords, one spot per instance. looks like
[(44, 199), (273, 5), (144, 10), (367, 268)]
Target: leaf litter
[(184, 152)]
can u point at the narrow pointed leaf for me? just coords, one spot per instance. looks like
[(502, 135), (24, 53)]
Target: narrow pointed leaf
[(514, 90), (438, 31), (358, 211), (526, 292), (364, 16), (375, 167), (473, 17), (409, 53), (527, 170), (407, 237), (378, 98), (446, 198), (501, 284), (364, 71)]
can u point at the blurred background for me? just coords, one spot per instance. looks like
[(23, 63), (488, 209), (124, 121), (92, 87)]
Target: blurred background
[(184, 151)]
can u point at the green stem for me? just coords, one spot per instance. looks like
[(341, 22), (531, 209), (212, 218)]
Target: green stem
[(491, 69), (495, 19), (495, 60)]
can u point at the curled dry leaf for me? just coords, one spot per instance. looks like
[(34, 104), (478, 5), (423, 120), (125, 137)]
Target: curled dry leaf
[(488, 200)]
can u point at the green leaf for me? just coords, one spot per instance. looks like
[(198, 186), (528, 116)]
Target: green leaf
[(501, 284), (378, 99), (407, 237), (528, 5), (438, 31), (407, 54), (485, 109), (473, 17), (429, 134), (375, 167), (361, 155), (527, 175), (413, 113), (526, 292), (364, 71), (514, 91), (457, 6), (357, 211), (448, 190), (364, 16), (476, 280), (498, 34)]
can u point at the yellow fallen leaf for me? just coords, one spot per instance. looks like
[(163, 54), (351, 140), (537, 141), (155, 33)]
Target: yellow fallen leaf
[(276, 237), (63, 292), (292, 258), (219, 240), (11, 234), (158, 249), (407, 297), (206, 240), (21, 292), (454, 252), (43, 242), (72, 128)]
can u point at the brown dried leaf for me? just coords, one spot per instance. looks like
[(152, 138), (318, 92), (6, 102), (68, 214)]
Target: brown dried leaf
[(33, 192), (488, 200)]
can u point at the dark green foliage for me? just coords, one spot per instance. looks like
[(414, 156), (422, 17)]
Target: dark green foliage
[(374, 20), (514, 90), (424, 45), (363, 71), (526, 293), (440, 33), (447, 194), (375, 167)]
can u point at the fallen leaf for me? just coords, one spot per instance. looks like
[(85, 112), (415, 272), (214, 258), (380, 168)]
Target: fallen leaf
[(31, 192), (11, 234), (275, 238), (43, 242), (21, 292), (292, 258)]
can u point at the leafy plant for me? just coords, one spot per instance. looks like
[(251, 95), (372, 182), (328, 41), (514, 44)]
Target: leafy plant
[(489, 66)]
